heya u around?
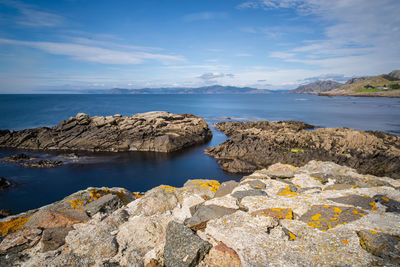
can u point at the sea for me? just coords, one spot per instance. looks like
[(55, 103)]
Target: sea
[(141, 171)]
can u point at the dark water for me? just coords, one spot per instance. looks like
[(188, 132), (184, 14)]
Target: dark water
[(139, 171)]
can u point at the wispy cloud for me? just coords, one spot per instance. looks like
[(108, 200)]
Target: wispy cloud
[(243, 55), (282, 55), (205, 16), (359, 37), (96, 54), (32, 16), (214, 75)]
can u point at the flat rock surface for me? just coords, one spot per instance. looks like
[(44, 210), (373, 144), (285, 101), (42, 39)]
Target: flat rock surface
[(257, 145), (153, 131)]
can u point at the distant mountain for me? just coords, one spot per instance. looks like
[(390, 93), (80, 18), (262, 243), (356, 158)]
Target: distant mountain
[(387, 85), (316, 87), (214, 89)]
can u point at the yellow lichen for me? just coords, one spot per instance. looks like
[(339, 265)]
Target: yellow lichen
[(372, 204), (373, 232), (168, 188), (296, 150), (287, 192), (77, 204), (98, 193), (337, 210), (327, 206), (213, 185), (293, 168), (292, 236), (12, 225), (318, 179), (316, 217)]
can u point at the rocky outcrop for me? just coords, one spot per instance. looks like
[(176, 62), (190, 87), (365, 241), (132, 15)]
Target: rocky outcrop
[(316, 87), (305, 219), (4, 183), (152, 131), (256, 145)]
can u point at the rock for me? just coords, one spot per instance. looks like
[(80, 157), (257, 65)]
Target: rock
[(205, 213), (339, 187), (5, 213), (183, 247), (223, 256), (277, 213), (256, 184), (325, 217), (53, 238), (390, 204), (280, 170), (18, 157), (46, 219), (4, 183), (155, 201), (245, 193), (140, 235), (226, 188), (381, 245), (363, 202), (18, 241), (105, 204), (237, 166), (152, 131), (93, 240), (260, 144), (245, 234), (44, 163)]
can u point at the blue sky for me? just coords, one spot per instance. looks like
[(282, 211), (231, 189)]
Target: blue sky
[(83, 44)]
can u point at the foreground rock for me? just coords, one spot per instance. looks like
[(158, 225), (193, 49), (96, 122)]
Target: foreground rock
[(256, 145), (152, 131), (322, 214)]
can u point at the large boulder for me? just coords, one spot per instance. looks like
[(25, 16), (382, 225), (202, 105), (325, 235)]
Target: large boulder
[(153, 131)]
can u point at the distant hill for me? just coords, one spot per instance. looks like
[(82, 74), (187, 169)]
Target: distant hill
[(316, 87), (214, 89), (386, 85)]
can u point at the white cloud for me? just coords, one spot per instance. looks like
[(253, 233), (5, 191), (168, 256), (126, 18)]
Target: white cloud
[(32, 16), (205, 16), (96, 54), (214, 75), (360, 37)]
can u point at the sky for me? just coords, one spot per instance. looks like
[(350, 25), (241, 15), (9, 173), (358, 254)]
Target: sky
[(58, 45)]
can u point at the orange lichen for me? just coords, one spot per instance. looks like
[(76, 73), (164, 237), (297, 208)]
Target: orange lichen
[(337, 210), (137, 195), (373, 232), (385, 198), (316, 217), (345, 241), (12, 225), (292, 236), (98, 193), (372, 204), (77, 204)]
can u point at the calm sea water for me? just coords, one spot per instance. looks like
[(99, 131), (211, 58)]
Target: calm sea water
[(139, 171)]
